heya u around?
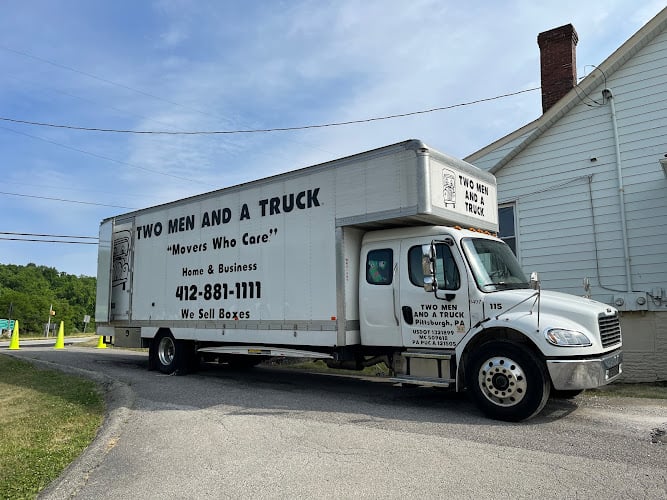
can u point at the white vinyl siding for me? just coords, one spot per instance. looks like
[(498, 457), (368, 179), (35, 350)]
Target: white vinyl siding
[(549, 183)]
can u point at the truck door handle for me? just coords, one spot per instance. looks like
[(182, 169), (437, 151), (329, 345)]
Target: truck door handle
[(407, 314)]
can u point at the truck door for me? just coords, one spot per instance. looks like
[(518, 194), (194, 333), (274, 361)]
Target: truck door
[(379, 294), (428, 321), (121, 270)]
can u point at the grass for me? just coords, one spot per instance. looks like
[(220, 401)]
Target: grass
[(90, 343), (47, 419), (379, 370)]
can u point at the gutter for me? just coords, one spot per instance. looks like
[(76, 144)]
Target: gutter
[(609, 97)]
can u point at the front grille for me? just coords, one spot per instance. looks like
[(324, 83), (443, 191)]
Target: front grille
[(610, 330)]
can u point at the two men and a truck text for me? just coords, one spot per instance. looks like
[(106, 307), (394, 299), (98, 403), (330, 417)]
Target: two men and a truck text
[(358, 261)]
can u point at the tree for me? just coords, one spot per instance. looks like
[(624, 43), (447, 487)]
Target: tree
[(31, 289)]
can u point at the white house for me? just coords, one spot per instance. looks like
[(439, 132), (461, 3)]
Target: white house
[(583, 189)]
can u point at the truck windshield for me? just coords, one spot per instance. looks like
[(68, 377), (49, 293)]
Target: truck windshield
[(494, 265)]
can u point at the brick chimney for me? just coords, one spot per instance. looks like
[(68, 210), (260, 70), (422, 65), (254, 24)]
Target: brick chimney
[(558, 63)]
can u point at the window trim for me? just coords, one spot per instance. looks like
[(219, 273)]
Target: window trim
[(514, 206)]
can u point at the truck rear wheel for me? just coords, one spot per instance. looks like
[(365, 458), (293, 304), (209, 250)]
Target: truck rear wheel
[(166, 354), (169, 355), (507, 381)]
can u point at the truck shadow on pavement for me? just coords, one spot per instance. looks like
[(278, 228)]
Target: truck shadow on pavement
[(268, 389)]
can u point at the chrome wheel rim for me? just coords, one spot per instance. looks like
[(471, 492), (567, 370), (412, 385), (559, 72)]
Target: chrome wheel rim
[(502, 381), (166, 351)]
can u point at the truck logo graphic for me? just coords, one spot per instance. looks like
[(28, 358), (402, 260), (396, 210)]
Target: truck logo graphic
[(448, 187), (121, 259)]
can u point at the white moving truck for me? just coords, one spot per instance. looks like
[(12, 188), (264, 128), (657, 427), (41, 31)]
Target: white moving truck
[(356, 261)]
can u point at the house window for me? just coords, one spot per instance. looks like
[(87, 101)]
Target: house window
[(507, 226)]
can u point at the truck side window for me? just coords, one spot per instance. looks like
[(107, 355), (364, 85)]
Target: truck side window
[(379, 268), (447, 273)]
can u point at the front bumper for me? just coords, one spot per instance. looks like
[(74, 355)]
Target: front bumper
[(577, 374)]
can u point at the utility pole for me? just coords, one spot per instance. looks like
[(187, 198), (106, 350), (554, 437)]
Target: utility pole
[(48, 324), (10, 311)]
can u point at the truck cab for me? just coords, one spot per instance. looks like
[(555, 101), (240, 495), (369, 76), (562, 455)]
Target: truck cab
[(467, 316)]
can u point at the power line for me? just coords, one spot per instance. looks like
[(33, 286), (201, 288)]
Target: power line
[(95, 155), (141, 92), (51, 235), (39, 238), (41, 87), (265, 130), (280, 129), (73, 188), (242, 131), (66, 201), (50, 241), (94, 77)]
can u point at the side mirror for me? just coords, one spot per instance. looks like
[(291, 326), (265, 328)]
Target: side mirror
[(428, 268), (534, 281), (587, 288)]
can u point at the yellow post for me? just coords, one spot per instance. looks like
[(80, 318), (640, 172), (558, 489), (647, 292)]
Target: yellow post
[(100, 343), (14, 343), (60, 341)]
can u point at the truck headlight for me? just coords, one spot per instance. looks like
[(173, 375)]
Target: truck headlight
[(566, 338)]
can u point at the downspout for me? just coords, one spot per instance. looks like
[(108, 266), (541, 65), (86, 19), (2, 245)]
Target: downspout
[(607, 94)]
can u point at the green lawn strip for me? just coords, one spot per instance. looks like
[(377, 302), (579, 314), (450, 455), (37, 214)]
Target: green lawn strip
[(47, 419)]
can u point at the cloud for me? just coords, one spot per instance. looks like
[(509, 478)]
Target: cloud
[(210, 65)]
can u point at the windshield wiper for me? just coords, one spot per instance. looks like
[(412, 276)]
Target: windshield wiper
[(505, 286)]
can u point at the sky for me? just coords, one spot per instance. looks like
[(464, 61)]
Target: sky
[(238, 65)]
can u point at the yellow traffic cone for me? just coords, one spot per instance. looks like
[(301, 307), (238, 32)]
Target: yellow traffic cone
[(14, 343), (100, 343), (60, 340)]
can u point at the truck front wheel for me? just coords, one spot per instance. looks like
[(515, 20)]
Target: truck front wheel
[(507, 381)]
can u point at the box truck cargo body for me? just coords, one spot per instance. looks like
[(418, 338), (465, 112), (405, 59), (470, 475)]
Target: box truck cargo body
[(356, 261)]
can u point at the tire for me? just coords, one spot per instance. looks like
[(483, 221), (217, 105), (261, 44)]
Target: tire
[(507, 381), (171, 356)]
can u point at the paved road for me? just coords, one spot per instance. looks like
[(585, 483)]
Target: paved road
[(270, 433)]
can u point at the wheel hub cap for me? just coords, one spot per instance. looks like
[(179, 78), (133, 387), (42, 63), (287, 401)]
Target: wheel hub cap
[(502, 381), (166, 351)]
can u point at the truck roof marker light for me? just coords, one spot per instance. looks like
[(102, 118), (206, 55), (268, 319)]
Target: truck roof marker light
[(457, 227)]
